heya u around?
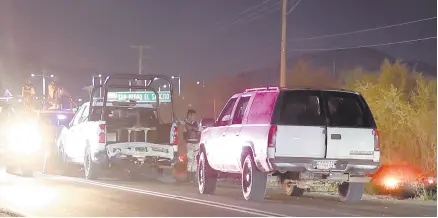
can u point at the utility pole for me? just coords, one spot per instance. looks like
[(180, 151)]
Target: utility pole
[(140, 56), (283, 45)]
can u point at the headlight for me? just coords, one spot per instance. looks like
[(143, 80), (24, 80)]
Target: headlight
[(61, 117), (24, 138)]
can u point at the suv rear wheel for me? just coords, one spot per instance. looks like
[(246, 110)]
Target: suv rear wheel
[(207, 177), (253, 181), (351, 192)]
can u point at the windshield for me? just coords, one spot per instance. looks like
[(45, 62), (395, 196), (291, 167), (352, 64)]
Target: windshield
[(126, 116)]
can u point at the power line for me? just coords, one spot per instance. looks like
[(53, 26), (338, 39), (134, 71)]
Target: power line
[(293, 7), (260, 13), (365, 46), (264, 14), (361, 31), (247, 10)]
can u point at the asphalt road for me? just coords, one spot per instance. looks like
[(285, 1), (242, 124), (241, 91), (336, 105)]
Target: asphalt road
[(45, 195)]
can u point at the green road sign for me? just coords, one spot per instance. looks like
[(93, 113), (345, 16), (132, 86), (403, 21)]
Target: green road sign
[(149, 97)]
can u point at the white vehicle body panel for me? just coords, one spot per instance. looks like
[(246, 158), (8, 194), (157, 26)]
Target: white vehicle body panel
[(300, 141), (353, 143)]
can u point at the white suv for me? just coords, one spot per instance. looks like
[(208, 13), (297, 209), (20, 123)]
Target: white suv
[(298, 135)]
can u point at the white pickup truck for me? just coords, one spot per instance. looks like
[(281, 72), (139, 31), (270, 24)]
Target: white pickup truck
[(298, 135), (113, 134)]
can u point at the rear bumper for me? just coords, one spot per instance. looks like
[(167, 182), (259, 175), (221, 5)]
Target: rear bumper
[(346, 166), (129, 162)]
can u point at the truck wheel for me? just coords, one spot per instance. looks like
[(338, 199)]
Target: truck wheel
[(27, 172), (66, 169), (92, 170), (293, 190), (10, 169), (207, 177), (253, 181), (351, 192)]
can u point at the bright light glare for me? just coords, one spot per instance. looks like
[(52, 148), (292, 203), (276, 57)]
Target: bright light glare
[(24, 138), (32, 196), (61, 117), (391, 183)]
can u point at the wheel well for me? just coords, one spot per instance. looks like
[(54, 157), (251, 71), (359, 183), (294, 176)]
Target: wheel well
[(245, 151)]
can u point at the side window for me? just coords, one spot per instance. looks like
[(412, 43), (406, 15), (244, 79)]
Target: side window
[(77, 116), (84, 115), (226, 111), (240, 109), (301, 108)]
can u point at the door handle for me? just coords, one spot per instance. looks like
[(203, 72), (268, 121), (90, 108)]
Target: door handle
[(238, 133), (223, 134), (336, 136)]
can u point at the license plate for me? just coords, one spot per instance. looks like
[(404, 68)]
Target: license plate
[(325, 164)]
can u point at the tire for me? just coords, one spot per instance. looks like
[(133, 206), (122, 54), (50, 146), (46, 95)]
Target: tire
[(134, 176), (351, 192), (253, 181), (10, 169), (293, 190), (66, 169), (27, 172), (91, 169), (207, 177)]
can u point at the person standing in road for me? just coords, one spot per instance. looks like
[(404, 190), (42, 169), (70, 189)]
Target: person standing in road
[(191, 136), (28, 92)]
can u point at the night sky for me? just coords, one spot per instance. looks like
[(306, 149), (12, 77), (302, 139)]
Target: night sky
[(198, 38)]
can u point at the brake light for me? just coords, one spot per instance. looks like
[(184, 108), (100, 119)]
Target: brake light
[(102, 133), (175, 135), (376, 140), (272, 136)]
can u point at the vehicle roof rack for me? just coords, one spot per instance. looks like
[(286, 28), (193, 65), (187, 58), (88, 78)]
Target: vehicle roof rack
[(275, 88)]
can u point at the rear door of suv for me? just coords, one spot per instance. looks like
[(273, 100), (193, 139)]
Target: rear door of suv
[(300, 121), (351, 129)]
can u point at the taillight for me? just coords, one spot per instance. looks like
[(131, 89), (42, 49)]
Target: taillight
[(272, 136), (175, 135), (376, 140), (102, 133)]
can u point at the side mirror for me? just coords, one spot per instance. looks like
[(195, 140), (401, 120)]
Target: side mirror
[(226, 118), (207, 122), (74, 109)]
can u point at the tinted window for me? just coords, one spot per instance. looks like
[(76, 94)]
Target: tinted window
[(124, 116), (300, 108), (227, 110), (240, 109), (348, 110)]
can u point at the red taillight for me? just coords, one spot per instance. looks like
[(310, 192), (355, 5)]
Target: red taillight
[(102, 133), (376, 140), (272, 136), (175, 135)]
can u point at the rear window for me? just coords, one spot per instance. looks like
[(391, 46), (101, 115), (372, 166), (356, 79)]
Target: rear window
[(124, 116), (348, 110), (299, 108)]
